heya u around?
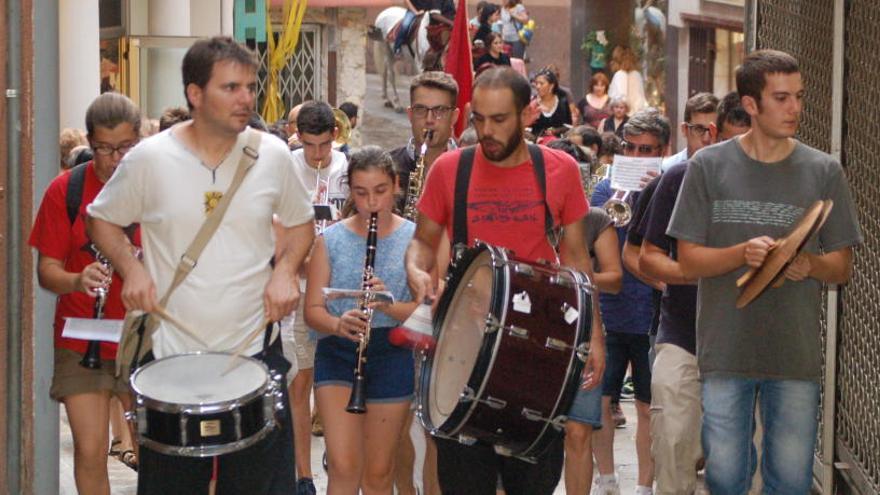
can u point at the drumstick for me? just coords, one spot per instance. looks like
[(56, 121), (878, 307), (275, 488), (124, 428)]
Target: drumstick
[(244, 345), (160, 311)]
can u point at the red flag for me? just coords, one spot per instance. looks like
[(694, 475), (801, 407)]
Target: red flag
[(459, 63)]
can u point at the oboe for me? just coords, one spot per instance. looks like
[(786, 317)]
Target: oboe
[(357, 401), (92, 357)]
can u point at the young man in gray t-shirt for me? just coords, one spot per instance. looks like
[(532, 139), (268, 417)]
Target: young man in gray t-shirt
[(736, 199)]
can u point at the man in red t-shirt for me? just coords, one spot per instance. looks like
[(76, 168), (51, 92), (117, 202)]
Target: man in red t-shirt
[(505, 207), (67, 267)]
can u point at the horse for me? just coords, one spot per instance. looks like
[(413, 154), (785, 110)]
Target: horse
[(383, 50)]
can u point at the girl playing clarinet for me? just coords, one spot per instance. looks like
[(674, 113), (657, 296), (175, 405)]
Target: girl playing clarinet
[(360, 447)]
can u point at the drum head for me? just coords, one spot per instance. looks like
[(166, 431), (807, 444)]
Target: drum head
[(460, 337), (198, 379)]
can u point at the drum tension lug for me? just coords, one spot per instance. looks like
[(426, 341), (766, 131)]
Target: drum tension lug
[(532, 415), (468, 395), (515, 331), (492, 324)]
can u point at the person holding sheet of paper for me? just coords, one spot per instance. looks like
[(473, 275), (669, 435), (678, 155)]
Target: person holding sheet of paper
[(67, 267), (629, 315)]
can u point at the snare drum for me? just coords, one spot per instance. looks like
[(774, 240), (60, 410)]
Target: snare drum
[(512, 337), (186, 406)]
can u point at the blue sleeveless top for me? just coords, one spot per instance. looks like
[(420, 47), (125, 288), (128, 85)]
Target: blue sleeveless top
[(346, 251)]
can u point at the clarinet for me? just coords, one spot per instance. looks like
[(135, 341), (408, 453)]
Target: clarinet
[(357, 401), (417, 179), (92, 357)]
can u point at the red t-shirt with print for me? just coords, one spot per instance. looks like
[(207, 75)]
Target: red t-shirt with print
[(54, 237), (505, 206)]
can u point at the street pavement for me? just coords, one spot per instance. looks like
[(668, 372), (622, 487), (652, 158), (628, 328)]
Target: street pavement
[(384, 127)]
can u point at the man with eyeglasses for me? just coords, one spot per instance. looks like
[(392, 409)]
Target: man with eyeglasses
[(699, 128), (629, 316), (433, 97)]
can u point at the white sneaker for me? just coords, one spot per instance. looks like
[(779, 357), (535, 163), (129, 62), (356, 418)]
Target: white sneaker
[(606, 486), (644, 490)]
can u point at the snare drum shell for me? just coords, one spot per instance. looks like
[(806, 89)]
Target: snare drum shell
[(208, 428)]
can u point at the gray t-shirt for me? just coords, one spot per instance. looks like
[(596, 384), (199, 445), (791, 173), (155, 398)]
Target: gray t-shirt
[(595, 222), (728, 198)]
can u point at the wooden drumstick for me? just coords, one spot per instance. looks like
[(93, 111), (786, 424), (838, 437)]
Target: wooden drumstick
[(162, 313), (244, 345)]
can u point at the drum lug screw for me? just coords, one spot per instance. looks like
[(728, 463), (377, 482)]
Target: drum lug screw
[(492, 324)]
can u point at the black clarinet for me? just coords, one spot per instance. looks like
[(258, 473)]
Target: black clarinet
[(92, 357), (357, 403)]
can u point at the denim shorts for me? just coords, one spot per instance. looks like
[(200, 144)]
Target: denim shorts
[(389, 369), (587, 407), (624, 349)]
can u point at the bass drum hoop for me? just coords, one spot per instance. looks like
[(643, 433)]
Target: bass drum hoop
[(479, 376)]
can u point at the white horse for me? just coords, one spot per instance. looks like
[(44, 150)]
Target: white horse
[(383, 50)]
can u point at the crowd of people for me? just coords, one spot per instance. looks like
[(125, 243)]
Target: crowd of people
[(531, 174)]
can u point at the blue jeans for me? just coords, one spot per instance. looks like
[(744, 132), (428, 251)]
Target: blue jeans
[(789, 414), (405, 26)]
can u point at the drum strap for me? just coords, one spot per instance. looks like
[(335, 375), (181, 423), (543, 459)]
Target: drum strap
[(462, 183)]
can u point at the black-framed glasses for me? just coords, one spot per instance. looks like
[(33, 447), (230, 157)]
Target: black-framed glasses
[(643, 149), (440, 111), (697, 129), (105, 149)]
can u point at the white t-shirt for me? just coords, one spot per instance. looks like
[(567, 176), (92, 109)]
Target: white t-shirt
[(166, 188), (334, 175)]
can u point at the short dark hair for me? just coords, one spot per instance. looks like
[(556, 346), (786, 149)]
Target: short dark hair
[(315, 117), (572, 149), (648, 121), (700, 103), (731, 111), (505, 77), (171, 116), (751, 76), (198, 63), (349, 109), (589, 135), (435, 80), (111, 109)]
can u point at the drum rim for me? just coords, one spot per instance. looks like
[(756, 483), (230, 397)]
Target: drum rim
[(142, 399), (457, 418)]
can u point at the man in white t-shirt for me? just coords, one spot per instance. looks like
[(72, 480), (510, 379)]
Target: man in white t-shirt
[(169, 184), (323, 170)]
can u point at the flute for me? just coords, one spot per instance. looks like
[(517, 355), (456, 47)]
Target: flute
[(357, 400)]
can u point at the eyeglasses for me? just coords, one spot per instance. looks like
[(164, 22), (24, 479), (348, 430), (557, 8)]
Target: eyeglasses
[(697, 129), (105, 149), (643, 149), (440, 111)]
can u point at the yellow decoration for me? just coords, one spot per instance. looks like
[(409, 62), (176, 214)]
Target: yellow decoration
[(211, 200), (295, 10)]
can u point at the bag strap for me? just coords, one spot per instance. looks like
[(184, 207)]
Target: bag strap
[(190, 258), (75, 187), (462, 183)]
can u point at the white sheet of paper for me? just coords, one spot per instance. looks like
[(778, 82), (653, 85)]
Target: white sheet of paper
[(91, 329), (627, 171)]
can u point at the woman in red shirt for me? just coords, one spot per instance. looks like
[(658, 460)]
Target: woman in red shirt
[(67, 267)]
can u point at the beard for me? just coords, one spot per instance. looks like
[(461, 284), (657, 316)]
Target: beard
[(498, 151)]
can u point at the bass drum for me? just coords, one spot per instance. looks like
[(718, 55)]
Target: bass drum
[(512, 337)]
